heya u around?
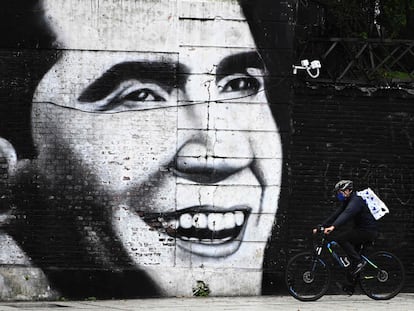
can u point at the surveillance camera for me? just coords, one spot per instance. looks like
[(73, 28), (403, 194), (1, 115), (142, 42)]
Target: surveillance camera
[(315, 64), (312, 69)]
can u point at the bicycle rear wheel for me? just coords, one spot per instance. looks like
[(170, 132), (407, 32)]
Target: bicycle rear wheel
[(383, 277), (307, 277)]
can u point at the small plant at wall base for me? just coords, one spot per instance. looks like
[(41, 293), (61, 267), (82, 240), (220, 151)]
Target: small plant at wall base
[(201, 289)]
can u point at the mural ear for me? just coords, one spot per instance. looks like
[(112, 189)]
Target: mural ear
[(7, 156), (8, 164)]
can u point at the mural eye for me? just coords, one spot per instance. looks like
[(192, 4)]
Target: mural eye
[(241, 84), (142, 95), (133, 95)]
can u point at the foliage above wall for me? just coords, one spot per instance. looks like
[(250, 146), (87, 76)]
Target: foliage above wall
[(391, 19)]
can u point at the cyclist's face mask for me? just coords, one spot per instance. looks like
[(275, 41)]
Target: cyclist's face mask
[(340, 196)]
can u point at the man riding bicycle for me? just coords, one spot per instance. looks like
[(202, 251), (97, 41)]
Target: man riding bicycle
[(308, 273), (365, 227)]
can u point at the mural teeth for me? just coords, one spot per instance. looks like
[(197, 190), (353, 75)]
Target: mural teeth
[(215, 221), (229, 221), (226, 239), (200, 221), (239, 218), (186, 221)]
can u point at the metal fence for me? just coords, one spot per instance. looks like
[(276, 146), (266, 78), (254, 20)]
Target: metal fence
[(360, 62)]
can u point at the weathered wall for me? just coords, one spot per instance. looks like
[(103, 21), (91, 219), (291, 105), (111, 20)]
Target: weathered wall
[(149, 145), (140, 153)]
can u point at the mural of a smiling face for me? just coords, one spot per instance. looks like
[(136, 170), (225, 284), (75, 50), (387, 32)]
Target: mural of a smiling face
[(163, 127)]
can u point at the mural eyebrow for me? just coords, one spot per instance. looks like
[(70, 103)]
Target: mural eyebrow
[(165, 74), (238, 63)]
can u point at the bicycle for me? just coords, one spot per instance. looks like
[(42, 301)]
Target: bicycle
[(308, 276)]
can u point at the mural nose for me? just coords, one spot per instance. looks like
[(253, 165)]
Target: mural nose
[(194, 162)]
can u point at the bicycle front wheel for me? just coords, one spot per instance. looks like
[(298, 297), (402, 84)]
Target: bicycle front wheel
[(383, 277), (307, 277)]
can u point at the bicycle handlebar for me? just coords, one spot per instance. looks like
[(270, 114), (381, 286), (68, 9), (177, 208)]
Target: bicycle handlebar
[(319, 229), (320, 233)]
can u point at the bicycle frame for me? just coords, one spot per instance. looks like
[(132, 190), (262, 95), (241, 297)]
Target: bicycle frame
[(369, 262), (343, 262)]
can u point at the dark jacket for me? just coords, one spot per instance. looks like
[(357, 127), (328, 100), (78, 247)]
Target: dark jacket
[(353, 208)]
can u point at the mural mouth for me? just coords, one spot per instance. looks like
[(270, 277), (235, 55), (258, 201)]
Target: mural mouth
[(205, 224)]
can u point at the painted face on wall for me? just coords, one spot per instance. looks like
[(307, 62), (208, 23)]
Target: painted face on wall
[(161, 119)]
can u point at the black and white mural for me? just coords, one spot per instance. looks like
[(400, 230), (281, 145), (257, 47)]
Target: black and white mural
[(146, 147), (150, 159)]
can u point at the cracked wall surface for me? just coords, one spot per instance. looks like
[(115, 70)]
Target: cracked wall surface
[(148, 147), (140, 150)]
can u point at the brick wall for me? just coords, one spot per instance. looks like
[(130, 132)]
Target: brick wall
[(145, 148), (347, 134)]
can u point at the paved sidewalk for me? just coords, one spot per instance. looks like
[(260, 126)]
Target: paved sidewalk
[(403, 302)]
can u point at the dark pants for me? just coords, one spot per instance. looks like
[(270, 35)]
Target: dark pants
[(351, 241)]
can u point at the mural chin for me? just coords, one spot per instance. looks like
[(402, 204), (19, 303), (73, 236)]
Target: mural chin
[(207, 231)]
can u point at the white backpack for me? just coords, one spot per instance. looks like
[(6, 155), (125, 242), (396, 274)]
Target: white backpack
[(375, 205)]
